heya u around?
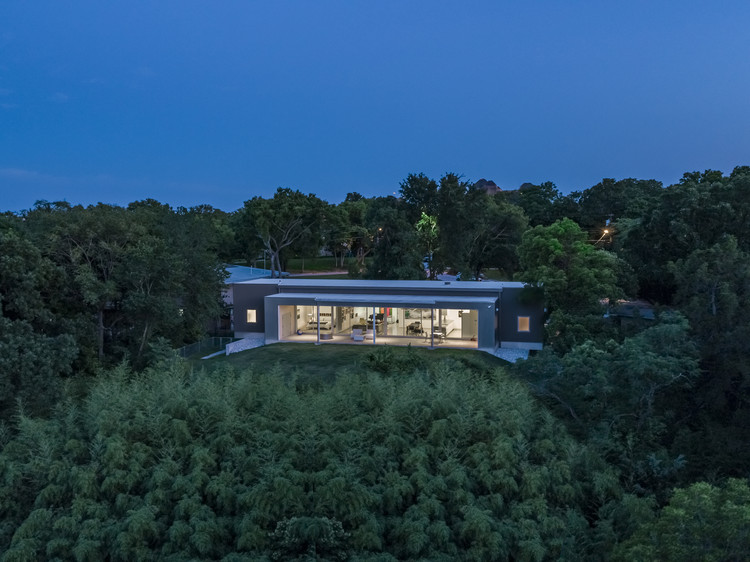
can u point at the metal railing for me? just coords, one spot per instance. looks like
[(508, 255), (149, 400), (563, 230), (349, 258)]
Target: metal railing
[(213, 343)]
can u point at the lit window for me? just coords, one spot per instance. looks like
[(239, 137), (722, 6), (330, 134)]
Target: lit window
[(251, 316), (524, 324)]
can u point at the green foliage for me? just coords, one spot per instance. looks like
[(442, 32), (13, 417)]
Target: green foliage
[(495, 229), (610, 200), (700, 522), (436, 463), (420, 194), (695, 214), (714, 294), (428, 234), (31, 367), (290, 219), (395, 248), (624, 398), (114, 278), (543, 204), (576, 277)]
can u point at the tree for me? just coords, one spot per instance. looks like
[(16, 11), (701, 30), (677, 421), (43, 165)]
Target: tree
[(395, 246), (451, 459), (113, 265), (280, 222), (428, 234), (32, 365), (713, 291), (454, 221), (694, 214), (576, 278), (538, 201), (34, 352), (625, 398), (701, 522), (495, 233), (420, 194), (610, 200), (338, 232), (360, 235), (25, 276)]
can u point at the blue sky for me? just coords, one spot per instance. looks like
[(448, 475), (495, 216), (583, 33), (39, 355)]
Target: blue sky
[(192, 102)]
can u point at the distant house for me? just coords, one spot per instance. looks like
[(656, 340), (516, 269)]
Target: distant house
[(474, 315), (488, 186)]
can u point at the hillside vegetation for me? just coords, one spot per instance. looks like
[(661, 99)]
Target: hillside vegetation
[(626, 438), (433, 460)]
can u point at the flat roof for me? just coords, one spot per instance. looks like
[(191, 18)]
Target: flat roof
[(389, 284), (416, 301)]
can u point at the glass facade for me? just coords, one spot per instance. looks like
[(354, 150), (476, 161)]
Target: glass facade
[(379, 325)]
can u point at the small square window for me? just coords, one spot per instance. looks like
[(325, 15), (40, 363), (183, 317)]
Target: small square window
[(524, 324), (251, 316)]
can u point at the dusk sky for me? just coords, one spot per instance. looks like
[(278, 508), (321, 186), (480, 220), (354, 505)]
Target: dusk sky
[(192, 102)]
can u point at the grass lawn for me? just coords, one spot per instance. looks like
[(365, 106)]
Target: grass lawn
[(325, 361), (312, 265), (327, 276)]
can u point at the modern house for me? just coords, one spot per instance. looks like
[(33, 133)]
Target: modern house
[(478, 315)]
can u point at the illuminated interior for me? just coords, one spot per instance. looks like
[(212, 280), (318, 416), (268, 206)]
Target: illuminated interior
[(379, 325)]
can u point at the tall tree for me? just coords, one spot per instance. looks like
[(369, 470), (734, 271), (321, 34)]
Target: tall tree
[(537, 201), (280, 222), (420, 194), (360, 233), (694, 214), (705, 521), (455, 223), (428, 234), (35, 351), (713, 291), (625, 398), (495, 233), (337, 235), (611, 199), (395, 248), (575, 276)]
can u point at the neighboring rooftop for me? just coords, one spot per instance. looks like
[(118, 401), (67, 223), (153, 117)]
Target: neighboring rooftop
[(633, 309), (242, 273), (488, 185)]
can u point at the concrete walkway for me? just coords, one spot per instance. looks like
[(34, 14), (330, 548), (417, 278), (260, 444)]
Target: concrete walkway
[(511, 355)]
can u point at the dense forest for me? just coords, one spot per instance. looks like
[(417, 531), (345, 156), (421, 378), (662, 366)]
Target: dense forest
[(625, 438)]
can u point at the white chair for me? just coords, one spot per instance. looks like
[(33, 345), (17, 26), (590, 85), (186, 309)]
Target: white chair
[(357, 335)]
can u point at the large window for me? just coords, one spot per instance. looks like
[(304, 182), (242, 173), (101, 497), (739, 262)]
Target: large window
[(380, 325)]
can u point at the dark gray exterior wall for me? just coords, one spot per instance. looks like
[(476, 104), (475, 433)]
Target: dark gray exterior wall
[(510, 309), (250, 296)]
